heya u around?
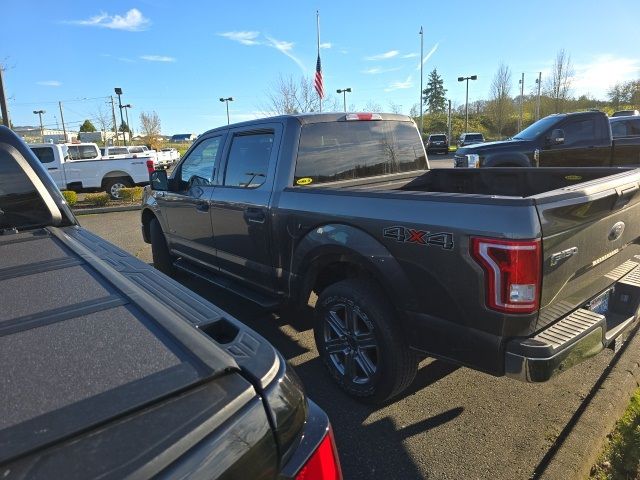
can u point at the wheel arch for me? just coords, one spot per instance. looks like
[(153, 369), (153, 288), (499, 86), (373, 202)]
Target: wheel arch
[(506, 159), (335, 252)]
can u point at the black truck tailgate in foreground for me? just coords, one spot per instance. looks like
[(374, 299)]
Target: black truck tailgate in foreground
[(83, 344), (590, 239)]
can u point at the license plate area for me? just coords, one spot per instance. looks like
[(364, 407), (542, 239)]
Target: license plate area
[(600, 304)]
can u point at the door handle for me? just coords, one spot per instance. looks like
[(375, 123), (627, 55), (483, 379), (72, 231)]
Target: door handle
[(255, 215), (202, 206), (52, 168)]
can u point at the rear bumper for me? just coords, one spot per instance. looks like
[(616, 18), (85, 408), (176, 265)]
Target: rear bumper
[(576, 337)]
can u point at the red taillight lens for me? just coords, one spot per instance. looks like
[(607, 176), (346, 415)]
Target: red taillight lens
[(512, 273), (323, 463), (150, 166)]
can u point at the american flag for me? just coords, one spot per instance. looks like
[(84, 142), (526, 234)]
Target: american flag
[(318, 80)]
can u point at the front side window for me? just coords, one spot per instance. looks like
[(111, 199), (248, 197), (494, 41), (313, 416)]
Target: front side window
[(579, 132), (197, 168), (248, 160)]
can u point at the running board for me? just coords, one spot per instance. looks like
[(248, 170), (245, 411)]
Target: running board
[(264, 301)]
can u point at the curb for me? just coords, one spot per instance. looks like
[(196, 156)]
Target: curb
[(89, 211), (582, 445)]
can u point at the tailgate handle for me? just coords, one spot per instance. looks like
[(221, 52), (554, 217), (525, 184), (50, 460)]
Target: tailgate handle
[(624, 196)]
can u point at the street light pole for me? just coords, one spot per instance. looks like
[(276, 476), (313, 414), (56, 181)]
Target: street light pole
[(118, 91), (126, 112), (344, 91), (466, 103), (227, 100), (521, 82), (421, 77), (39, 113), (539, 82)]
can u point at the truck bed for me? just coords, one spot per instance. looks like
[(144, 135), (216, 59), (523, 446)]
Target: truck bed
[(98, 334)]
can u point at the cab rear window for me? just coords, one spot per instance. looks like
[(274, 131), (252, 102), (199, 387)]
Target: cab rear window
[(348, 150)]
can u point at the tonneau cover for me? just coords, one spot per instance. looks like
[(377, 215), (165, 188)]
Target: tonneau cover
[(80, 343)]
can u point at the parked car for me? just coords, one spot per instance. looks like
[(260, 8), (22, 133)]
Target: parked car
[(478, 267), (560, 140), (437, 143), (626, 113), (470, 139), (174, 155), (109, 176), (110, 369)]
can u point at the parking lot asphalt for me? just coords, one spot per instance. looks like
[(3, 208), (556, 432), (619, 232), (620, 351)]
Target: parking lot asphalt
[(452, 423), (441, 161)]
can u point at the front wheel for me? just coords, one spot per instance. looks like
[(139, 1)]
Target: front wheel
[(360, 342)]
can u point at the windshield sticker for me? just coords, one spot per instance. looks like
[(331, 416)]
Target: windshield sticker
[(304, 181)]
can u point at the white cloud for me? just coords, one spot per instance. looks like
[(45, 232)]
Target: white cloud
[(408, 83), (384, 56), (410, 55), (326, 45), (49, 83), (132, 21), (378, 70), (157, 58), (244, 37), (428, 55), (602, 73), (285, 48)]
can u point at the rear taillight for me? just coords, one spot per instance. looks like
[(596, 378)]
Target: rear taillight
[(512, 271), (150, 166), (323, 463)]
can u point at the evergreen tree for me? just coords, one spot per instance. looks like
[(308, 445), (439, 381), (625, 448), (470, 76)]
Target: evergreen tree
[(87, 126), (434, 94)]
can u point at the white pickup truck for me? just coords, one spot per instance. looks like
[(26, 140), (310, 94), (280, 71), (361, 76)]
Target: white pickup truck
[(162, 159), (104, 174)]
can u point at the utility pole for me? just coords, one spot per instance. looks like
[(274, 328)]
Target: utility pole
[(64, 130), (421, 76), (449, 123), (118, 92), (539, 82), (3, 100), (466, 102), (115, 124), (521, 102), (39, 113)]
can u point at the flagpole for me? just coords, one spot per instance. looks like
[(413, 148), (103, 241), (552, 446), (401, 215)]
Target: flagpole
[(421, 76), (318, 32)]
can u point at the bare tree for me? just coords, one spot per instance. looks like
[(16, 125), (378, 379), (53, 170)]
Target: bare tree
[(500, 103), (395, 108), (372, 106), (103, 118), (290, 96), (558, 86), (150, 127)]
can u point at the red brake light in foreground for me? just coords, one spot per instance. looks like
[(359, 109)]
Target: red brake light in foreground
[(363, 116), (512, 271), (323, 463), (150, 166)]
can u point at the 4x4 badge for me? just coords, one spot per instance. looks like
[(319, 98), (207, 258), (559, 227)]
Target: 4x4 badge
[(419, 237)]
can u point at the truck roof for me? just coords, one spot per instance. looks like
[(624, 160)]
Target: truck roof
[(307, 118)]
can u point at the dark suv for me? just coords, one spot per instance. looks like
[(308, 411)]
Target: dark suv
[(469, 139), (626, 113), (437, 143)]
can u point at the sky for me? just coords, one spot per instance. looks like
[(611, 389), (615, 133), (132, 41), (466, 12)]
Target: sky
[(179, 58)]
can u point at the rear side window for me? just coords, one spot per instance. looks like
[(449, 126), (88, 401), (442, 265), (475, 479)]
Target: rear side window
[(348, 150), (44, 154), (248, 160), (82, 152), (477, 137), (633, 127)]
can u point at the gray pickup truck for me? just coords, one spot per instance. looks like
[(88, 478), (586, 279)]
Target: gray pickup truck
[(515, 271), (112, 370)]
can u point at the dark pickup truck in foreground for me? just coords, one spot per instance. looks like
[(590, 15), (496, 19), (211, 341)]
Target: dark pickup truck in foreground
[(112, 370), (580, 139), (515, 271)]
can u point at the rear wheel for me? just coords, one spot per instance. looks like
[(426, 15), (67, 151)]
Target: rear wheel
[(162, 258), (113, 185), (360, 342)]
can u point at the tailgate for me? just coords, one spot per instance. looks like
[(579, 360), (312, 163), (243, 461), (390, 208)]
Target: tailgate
[(590, 240)]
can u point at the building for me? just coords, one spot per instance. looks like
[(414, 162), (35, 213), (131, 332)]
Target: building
[(48, 135), (183, 138)]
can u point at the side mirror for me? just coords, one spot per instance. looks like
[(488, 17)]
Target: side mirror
[(158, 180), (556, 137)]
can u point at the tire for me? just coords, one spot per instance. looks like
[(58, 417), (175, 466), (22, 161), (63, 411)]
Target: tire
[(162, 258), (113, 185), (369, 358)]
